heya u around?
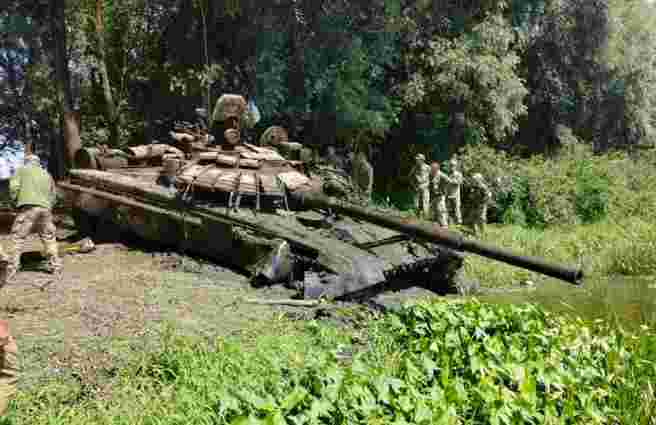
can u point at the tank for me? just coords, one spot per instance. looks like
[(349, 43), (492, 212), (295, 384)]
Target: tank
[(265, 211)]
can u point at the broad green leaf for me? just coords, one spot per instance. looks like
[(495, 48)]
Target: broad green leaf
[(297, 395)]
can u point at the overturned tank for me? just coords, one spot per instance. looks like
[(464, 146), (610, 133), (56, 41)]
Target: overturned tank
[(254, 208)]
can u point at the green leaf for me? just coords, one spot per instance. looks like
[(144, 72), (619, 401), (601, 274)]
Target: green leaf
[(246, 420), (294, 398), (274, 418)]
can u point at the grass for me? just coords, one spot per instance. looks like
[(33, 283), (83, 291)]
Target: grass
[(434, 362), (451, 362), (608, 248)]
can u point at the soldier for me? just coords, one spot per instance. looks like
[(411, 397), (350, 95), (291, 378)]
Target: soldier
[(363, 175), (333, 159), (453, 191), (438, 195), (8, 369), (230, 113), (33, 190), (482, 196), (421, 180)]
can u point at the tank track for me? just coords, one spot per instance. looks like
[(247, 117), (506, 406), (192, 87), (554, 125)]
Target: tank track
[(431, 273)]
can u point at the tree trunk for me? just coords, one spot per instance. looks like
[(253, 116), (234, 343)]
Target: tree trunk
[(110, 106), (70, 130), (56, 162)]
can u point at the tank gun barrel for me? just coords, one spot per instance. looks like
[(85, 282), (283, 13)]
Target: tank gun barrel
[(443, 237)]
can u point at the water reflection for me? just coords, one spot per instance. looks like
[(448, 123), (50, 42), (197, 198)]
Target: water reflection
[(630, 300)]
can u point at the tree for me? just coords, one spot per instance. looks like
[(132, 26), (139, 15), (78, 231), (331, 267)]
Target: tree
[(631, 57), (475, 73), (566, 74), (110, 107), (70, 125)]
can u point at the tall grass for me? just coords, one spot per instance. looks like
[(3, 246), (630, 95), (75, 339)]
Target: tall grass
[(625, 247), (575, 187)]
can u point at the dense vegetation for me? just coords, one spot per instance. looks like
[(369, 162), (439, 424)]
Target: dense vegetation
[(433, 363), (552, 100), (518, 75)]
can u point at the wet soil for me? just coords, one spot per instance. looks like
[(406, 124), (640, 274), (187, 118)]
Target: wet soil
[(117, 298)]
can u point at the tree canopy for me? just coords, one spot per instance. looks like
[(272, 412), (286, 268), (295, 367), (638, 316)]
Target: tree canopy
[(397, 74)]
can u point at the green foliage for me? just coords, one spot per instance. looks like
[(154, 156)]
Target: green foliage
[(575, 187), (433, 362), (479, 70), (271, 68), (591, 198), (603, 249), (516, 207), (359, 104), (631, 40)]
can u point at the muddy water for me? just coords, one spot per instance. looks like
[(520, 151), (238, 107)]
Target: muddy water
[(630, 300)]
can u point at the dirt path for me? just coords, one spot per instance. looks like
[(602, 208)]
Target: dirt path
[(114, 298)]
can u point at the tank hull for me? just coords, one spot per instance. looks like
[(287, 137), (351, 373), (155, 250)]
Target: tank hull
[(321, 255)]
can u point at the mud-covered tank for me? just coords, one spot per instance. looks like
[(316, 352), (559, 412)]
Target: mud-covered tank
[(254, 208)]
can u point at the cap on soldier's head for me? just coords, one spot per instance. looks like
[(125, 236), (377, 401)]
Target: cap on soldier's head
[(477, 176), (420, 157)]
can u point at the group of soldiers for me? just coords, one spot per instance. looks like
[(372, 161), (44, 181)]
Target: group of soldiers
[(438, 194)]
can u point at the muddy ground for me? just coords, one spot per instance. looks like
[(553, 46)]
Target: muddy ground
[(116, 299)]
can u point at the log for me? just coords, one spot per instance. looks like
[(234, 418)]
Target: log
[(182, 137), (154, 151), (94, 158)]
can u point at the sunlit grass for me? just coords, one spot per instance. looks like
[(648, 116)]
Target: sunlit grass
[(626, 247)]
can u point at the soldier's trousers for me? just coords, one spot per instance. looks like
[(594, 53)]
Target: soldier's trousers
[(8, 373), (33, 220), (438, 208), (480, 218), (454, 209), (422, 204)]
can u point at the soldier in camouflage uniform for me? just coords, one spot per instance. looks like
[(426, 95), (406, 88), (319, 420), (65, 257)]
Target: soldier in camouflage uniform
[(33, 190), (8, 367), (363, 176), (438, 195), (421, 181), (333, 159), (453, 186), (481, 197)]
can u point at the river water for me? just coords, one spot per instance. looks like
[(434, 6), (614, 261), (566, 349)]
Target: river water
[(629, 300)]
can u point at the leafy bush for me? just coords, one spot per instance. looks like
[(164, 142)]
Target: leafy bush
[(591, 200), (575, 187), (434, 362)]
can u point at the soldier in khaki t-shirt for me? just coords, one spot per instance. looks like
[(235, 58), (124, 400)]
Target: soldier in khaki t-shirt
[(8, 367)]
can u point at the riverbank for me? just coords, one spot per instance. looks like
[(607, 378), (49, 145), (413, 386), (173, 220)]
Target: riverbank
[(132, 336), (130, 339)]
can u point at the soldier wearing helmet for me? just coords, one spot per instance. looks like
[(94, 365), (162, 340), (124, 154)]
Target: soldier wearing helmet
[(363, 175), (420, 175), (438, 195), (482, 196), (453, 186)]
